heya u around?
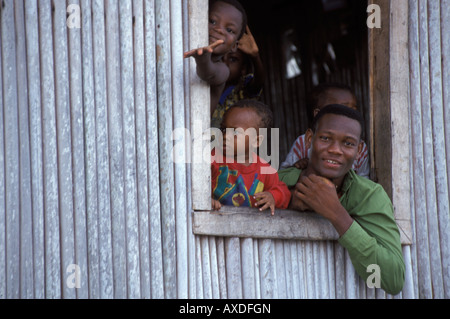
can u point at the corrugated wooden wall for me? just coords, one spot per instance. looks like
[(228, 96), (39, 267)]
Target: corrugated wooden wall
[(429, 41), (87, 178)]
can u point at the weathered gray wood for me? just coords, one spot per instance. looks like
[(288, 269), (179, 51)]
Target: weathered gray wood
[(141, 152), (105, 254), (36, 157), (233, 267), (444, 220), (78, 163), (2, 188), (427, 117), (199, 114), (156, 263), (178, 97), (49, 132), (284, 224), (64, 144), (26, 225), (90, 156), (165, 129), (11, 151), (129, 148)]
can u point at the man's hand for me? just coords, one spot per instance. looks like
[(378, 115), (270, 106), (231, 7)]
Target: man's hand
[(302, 163), (200, 51), (320, 195), (266, 200)]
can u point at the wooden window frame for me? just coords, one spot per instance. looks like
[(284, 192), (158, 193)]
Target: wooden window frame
[(388, 72)]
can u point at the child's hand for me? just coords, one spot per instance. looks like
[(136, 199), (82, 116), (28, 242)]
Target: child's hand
[(247, 44), (216, 205), (266, 199), (200, 51), (302, 163)]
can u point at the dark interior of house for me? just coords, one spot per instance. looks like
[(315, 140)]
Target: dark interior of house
[(303, 43)]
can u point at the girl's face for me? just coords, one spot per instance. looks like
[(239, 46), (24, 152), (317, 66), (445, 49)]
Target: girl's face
[(240, 133), (236, 63), (225, 23)]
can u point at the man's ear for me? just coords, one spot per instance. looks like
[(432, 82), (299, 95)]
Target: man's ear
[(360, 147), (308, 138)]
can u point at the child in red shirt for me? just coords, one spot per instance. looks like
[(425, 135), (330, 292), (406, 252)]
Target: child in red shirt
[(239, 176)]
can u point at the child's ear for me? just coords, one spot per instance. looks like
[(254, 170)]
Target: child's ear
[(308, 138), (258, 141)]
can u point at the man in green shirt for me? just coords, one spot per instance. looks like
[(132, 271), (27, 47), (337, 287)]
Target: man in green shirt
[(359, 209)]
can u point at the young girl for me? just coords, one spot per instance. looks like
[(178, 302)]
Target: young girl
[(239, 176)]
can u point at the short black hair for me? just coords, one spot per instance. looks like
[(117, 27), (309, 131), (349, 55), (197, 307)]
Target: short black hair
[(238, 6), (339, 109), (264, 112), (320, 90)]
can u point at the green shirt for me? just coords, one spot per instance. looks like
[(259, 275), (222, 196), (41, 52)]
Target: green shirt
[(373, 237)]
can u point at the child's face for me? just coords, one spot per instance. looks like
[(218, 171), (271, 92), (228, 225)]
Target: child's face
[(337, 96), (235, 62), (241, 137), (225, 23)]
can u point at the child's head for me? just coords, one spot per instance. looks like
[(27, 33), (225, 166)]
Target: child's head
[(238, 63), (241, 125), (331, 93), (227, 22)]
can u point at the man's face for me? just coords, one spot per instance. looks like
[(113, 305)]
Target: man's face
[(225, 23), (334, 146)]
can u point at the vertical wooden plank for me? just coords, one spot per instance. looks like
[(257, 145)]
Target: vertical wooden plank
[(248, 269), (50, 160), (179, 109), (156, 263), (206, 267), (291, 276), (90, 153), (421, 224), (104, 210), (198, 268), (444, 222), (141, 148), (12, 156), (116, 151), (309, 270), (331, 269), (427, 117), (165, 128), (339, 253), (26, 225), (267, 264), (2, 181), (299, 250), (221, 264), (78, 163), (408, 291), (199, 112), (36, 156), (442, 232), (280, 269), (64, 143), (399, 106), (351, 278), (233, 265), (129, 147), (214, 262)]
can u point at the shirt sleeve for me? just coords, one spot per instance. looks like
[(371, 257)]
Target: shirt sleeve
[(374, 239)]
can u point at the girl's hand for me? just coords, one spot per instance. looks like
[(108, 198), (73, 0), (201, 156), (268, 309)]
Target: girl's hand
[(266, 200)]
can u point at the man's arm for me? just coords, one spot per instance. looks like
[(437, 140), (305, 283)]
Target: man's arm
[(371, 238)]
